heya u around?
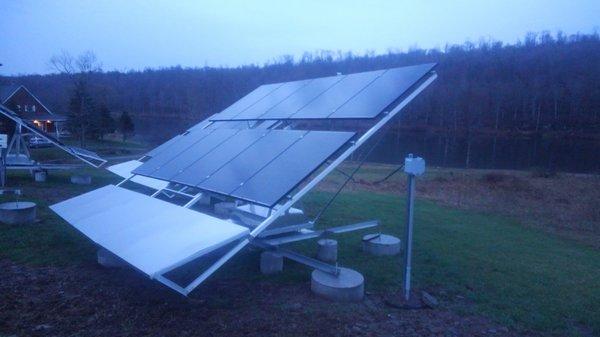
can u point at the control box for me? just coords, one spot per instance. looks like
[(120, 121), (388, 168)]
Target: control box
[(414, 165)]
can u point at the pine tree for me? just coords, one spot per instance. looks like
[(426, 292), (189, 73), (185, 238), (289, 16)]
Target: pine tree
[(126, 127)]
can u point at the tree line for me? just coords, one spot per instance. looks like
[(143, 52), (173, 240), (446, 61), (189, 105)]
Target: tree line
[(544, 84)]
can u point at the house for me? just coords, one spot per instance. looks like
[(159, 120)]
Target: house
[(20, 100)]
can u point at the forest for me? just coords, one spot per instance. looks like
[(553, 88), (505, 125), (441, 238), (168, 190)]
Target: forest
[(545, 85)]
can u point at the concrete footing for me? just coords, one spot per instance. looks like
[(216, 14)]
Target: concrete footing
[(327, 250), (109, 260), (381, 244), (19, 212), (271, 262), (81, 179), (348, 286), (40, 176)]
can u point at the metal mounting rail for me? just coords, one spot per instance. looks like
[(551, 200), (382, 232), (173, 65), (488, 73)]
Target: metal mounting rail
[(303, 259), (316, 234)]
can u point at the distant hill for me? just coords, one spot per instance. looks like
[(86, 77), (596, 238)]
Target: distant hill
[(547, 83)]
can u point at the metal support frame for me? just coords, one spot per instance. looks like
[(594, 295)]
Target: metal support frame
[(302, 259), (306, 188), (410, 202), (315, 234), (77, 154)]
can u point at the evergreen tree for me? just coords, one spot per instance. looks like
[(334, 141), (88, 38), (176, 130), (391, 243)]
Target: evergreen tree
[(126, 127), (81, 111)]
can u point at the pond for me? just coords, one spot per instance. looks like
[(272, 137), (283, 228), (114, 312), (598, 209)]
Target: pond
[(565, 154)]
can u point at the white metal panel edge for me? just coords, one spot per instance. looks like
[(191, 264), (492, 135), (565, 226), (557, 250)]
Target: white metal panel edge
[(124, 170)]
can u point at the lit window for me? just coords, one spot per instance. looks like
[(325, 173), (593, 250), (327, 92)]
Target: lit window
[(33, 108), (26, 108)]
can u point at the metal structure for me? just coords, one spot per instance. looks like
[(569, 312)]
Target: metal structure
[(241, 170), (413, 167), (17, 154)]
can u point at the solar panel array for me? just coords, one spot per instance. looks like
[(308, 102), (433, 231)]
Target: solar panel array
[(256, 165), (353, 96)]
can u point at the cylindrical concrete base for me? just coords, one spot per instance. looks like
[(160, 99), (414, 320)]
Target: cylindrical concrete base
[(348, 286), (109, 260), (327, 250), (271, 262), (381, 244), (40, 176), (81, 179), (17, 212)]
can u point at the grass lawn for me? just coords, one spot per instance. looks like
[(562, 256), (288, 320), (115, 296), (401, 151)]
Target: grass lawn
[(473, 262)]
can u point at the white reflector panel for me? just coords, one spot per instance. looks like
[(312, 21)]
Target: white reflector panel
[(124, 170), (150, 234)]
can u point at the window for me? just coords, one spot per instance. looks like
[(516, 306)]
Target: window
[(18, 107), (26, 108), (33, 108)]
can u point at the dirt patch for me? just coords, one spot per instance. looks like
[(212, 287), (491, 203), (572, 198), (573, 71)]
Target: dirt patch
[(92, 301)]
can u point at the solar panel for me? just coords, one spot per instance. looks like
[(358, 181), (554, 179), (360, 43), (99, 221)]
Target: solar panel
[(225, 160), (242, 167), (376, 96), (336, 96), (272, 99), (359, 95), (301, 98), (180, 161), (201, 169), (150, 234), (248, 100), (175, 148), (291, 167)]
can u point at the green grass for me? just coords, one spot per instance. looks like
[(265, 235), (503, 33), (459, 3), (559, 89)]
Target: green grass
[(520, 277)]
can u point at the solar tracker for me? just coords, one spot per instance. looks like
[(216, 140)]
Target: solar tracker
[(352, 96), (226, 163), (246, 158), (87, 156)]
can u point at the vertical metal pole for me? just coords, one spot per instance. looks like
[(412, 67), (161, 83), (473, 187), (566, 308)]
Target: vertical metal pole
[(2, 167), (409, 234)]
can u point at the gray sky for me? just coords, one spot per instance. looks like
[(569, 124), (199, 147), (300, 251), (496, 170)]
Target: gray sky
[(135, 34)]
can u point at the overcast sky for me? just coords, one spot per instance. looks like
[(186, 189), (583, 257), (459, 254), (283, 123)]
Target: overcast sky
[(138, 34)]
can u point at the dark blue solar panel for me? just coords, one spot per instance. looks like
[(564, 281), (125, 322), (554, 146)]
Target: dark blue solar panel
[(249, 162), (301, 98), (201, 169), (178, 145), (359, 95), (247, 101), (272, 99), (193, 153), (328, 102), (374, 98), (291, 167)]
